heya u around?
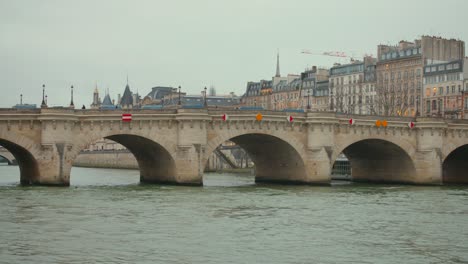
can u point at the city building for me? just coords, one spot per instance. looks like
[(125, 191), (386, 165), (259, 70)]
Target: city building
[(400, 72), (271, 94), (96, 99), (252, 94), (465, 100), (285, 94), (157, 94), (320, 99), (369, 86), (127, 102), (107, 103), (104, 144), (309, 79), (352, 88), (444, 85)]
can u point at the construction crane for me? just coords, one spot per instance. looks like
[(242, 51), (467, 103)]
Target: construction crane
[(340, 54)]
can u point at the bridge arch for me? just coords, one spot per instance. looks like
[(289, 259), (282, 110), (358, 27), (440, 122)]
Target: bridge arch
[(379, 160), (28, 165), (154, 157), (455, 166), (9, 158), (277, 159)]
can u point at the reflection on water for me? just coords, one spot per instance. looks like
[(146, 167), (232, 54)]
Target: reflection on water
[(106, 216)]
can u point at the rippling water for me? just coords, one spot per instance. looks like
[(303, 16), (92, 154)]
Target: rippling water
[(107, 217)]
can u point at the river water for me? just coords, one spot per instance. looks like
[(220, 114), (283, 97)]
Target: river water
[(106, 216)]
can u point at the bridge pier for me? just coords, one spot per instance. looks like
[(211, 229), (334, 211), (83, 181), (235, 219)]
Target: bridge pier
[(318, 167), (428, 166), (54, 166), (189, 163)]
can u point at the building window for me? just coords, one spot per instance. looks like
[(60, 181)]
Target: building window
[(453, 88), (441, 90), (434, 105)]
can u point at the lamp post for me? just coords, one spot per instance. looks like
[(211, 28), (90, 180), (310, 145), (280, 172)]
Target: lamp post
[(21, 99), (72, 105), (308, 99), (204, 103), (417, 106), (43, 104), (179, 96), (255, 102)]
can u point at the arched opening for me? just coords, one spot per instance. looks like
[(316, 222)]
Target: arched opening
[(276, 161), (376, 160), (228, 165), (6, 160), (341, 169), (154, 162), (28, 167), (455, 166)]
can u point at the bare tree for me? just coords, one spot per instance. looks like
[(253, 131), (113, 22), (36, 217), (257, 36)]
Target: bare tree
[(393, 101)]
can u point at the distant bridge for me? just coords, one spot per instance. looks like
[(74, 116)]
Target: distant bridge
[(173, 146), (7, 156)]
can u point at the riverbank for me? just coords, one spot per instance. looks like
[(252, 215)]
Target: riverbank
[(125, 160), (106, 159)]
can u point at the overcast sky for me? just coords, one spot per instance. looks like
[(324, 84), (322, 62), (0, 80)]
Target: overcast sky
[(194, 43)]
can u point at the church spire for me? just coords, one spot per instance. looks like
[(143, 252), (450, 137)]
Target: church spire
[(277, 65)]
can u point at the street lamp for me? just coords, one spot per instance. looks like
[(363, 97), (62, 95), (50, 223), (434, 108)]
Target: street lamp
[(255, 102), (21, 99), (308, 99), (72, 105), (43, 104), (204, 103), (417, 105), (179, 96)]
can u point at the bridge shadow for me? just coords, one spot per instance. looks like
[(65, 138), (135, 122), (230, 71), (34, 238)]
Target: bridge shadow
[(378, 161), (28, 166), (455, 166), (276, 161), (155, 163)]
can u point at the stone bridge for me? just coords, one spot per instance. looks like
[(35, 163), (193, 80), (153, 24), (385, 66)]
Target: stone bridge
[(173, 146), (7, 156)]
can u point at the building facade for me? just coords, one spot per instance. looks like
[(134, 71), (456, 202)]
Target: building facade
[(352, 87), (444, 85), (399, 72)]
